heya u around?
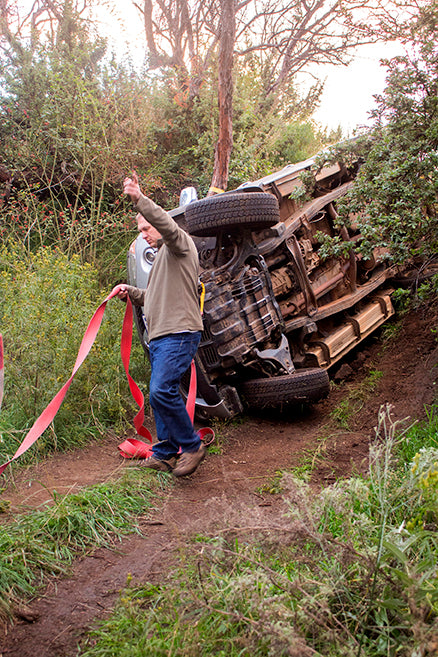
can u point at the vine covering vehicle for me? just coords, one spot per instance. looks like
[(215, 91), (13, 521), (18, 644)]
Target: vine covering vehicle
[(280, 310)]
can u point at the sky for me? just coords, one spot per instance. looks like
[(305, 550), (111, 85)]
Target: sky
[(348, 94)]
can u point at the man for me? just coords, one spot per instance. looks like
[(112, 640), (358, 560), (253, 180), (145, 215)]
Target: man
[(174, 325)]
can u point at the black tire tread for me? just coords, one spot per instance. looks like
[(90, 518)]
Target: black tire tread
[(255, 210), (306, 385)]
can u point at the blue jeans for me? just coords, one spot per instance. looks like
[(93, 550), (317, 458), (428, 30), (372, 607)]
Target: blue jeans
[(170, 358)]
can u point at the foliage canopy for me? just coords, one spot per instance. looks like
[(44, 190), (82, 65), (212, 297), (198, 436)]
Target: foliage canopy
[(396, 192)]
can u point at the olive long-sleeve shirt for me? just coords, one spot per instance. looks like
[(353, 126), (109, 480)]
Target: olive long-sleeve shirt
[(171, 299)]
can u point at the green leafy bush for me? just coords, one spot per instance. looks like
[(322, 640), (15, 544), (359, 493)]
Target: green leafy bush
[(394, 199), (97, 236), (46, 302)]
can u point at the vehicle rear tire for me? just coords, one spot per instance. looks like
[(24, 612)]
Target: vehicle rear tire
[(306, 385), (254, 210)]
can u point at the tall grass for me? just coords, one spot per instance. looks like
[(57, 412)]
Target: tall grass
[(350, 571), (45, 542), (46, 302), (75, 228)]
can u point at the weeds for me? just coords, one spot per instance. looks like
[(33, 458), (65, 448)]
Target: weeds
[(348, 576), (273, 486), (420, 436), (45, 542), (355, 400), (219, 428), (311, 458), (47, 301)]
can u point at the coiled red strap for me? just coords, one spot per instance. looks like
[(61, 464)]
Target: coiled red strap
[(133, 448)]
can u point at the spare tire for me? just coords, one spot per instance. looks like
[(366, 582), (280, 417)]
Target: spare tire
[(254, 210), (306, 385)]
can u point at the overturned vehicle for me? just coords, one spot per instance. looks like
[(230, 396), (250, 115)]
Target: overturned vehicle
[(277, 315)]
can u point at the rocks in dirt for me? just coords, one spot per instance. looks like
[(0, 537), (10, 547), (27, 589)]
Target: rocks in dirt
[(26, 614), (344, 372), (360, 359), (347, 370)]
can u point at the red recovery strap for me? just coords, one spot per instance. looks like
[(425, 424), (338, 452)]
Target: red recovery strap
[(48, 414), (133, 448)]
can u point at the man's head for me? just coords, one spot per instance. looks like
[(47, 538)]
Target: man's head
[(148, 232)]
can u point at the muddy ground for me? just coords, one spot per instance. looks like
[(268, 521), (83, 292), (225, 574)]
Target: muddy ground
[(224, 492)]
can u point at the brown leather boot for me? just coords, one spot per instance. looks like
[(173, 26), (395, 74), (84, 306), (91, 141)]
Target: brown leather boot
[(188, 462), (156, 464)]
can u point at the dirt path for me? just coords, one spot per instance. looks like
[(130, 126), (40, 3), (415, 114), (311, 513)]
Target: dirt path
[(224, 491)]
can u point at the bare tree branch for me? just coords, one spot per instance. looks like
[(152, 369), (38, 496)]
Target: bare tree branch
[(290, 34)]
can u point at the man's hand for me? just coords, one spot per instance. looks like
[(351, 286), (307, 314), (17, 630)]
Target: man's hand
[(132, 188), (122, 292)]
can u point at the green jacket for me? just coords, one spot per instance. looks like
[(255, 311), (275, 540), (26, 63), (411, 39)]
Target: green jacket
[(171, 299)]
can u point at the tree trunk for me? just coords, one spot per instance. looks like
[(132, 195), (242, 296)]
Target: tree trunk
[(224, 143)]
